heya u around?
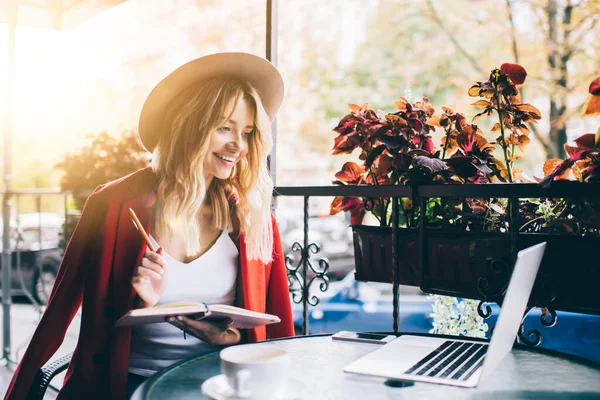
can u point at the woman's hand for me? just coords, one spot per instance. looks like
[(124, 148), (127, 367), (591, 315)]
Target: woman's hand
[(216, 333), (150, 278)]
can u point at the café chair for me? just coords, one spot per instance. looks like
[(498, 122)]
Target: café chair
[(45, 375)]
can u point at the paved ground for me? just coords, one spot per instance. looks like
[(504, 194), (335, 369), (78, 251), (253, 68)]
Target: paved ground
[(24, 319)]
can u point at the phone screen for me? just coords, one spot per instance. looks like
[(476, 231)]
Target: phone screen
[(372, 336)]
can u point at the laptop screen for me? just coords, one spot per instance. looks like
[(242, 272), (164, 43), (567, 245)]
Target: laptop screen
[(513, 306)]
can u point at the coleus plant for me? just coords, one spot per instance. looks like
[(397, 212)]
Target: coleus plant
[(592, 104), (397, 148), (500, 96), (582, 164), (583, 161), (393, 149)]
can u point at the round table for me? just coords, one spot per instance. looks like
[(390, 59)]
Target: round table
[(318, 362)]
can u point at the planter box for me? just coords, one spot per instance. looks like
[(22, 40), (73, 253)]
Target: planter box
[(373, 255), (478, 265), (569, 274)]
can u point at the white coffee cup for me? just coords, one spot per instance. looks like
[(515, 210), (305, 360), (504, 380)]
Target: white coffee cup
[(256, 371)]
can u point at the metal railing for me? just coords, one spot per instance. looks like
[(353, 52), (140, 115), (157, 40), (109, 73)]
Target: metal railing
[(14, 235), (298, 275)]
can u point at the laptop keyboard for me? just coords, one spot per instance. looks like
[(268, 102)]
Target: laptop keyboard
[(452, 360)]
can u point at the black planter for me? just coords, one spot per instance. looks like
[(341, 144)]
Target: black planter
[(479, 265), (569, 275), (373, 255)]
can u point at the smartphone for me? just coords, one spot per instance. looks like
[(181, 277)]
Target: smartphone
[(374, 338)]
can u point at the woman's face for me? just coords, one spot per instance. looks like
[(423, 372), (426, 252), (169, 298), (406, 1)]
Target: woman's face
[(229, 143)]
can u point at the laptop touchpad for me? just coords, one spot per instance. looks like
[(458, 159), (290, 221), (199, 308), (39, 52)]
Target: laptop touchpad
[(395, 357)]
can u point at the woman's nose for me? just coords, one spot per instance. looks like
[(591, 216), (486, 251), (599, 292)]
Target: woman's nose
[(237, 140)]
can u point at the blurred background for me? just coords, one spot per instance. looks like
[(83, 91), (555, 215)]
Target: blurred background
[(82, 69)]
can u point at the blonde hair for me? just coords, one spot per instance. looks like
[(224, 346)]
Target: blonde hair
[(178, 163)]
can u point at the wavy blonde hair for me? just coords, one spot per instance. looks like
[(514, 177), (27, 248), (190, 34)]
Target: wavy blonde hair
[(178, 163)]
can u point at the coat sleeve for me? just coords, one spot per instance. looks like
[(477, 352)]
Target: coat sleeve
[(278, 292), (64, 301)]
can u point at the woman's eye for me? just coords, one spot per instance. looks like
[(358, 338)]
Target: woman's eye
[(225, 129), (247, 134)]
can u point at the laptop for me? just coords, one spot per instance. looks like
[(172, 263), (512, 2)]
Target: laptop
[(458, 362)]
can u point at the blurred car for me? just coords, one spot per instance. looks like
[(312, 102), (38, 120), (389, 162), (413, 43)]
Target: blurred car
[(36, 254), (364, 307), (331, 233), (367, 307)]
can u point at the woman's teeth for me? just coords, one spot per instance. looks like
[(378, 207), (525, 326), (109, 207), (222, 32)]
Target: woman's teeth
[(222, 157)]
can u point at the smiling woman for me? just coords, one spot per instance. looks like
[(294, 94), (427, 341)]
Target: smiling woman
[(225, 111), (208, 127), (229, 143)]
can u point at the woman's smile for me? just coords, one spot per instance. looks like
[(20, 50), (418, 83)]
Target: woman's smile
[(229, 160)]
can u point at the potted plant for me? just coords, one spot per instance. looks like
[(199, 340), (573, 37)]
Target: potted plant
[(468, 243)]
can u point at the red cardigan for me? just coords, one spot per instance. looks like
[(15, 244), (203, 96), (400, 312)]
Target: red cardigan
[(96, 273)]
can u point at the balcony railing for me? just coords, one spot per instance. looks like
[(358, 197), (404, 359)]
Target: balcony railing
[(299, 274)]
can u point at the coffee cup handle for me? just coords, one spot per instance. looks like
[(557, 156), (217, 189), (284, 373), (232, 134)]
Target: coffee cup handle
[(240, 381)]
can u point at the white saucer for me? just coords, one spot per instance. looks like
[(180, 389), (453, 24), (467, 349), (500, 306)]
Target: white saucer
[(217, 388)]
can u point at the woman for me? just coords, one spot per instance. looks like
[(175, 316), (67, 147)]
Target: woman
[(206, 202)]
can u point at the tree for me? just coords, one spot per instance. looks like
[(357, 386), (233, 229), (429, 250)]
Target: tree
[(572, 29), (105, 159), (557, 44), (438, 50)]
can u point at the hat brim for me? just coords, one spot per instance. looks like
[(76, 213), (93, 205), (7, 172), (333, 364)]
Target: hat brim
[(259, 72)]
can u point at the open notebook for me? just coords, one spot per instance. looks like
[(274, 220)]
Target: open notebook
[(242, 318)]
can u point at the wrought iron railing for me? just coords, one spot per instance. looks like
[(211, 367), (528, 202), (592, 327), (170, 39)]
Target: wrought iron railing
[(17, 196), (298, 274)]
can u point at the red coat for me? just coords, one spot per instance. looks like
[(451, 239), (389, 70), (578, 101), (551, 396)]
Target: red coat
[(96, 273)]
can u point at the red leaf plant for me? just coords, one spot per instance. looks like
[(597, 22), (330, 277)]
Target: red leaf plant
[(397, 149), (583, 161), (500, 96)]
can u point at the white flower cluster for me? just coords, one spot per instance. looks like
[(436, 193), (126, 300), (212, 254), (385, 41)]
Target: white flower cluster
[(455, 317)]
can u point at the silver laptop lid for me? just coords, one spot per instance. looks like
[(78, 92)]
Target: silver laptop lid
[(513, 306)]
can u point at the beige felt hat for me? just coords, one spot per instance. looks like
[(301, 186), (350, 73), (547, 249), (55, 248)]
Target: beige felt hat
[(261, 74)]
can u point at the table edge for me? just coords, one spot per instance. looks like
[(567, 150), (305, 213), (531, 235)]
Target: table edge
[(571, 357)]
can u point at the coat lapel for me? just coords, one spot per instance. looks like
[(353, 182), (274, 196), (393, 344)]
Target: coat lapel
[(253, 280), (129, 249), (254, 288)]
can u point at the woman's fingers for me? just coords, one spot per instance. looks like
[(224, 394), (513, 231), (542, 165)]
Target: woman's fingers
[(209, 331), (139, 280), (221, 324), (176, 322), (150, 278), (155, 257), (208, 328), (148, 273), (149, 263)]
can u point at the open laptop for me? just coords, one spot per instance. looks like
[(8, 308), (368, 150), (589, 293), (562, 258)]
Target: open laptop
[(458, 362)]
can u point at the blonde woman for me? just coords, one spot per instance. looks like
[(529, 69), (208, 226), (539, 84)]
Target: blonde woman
[(206, 202)]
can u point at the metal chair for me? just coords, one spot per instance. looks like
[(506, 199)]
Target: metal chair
[(45, 375)]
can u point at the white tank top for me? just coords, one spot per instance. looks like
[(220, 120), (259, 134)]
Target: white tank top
[(211, 278)]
